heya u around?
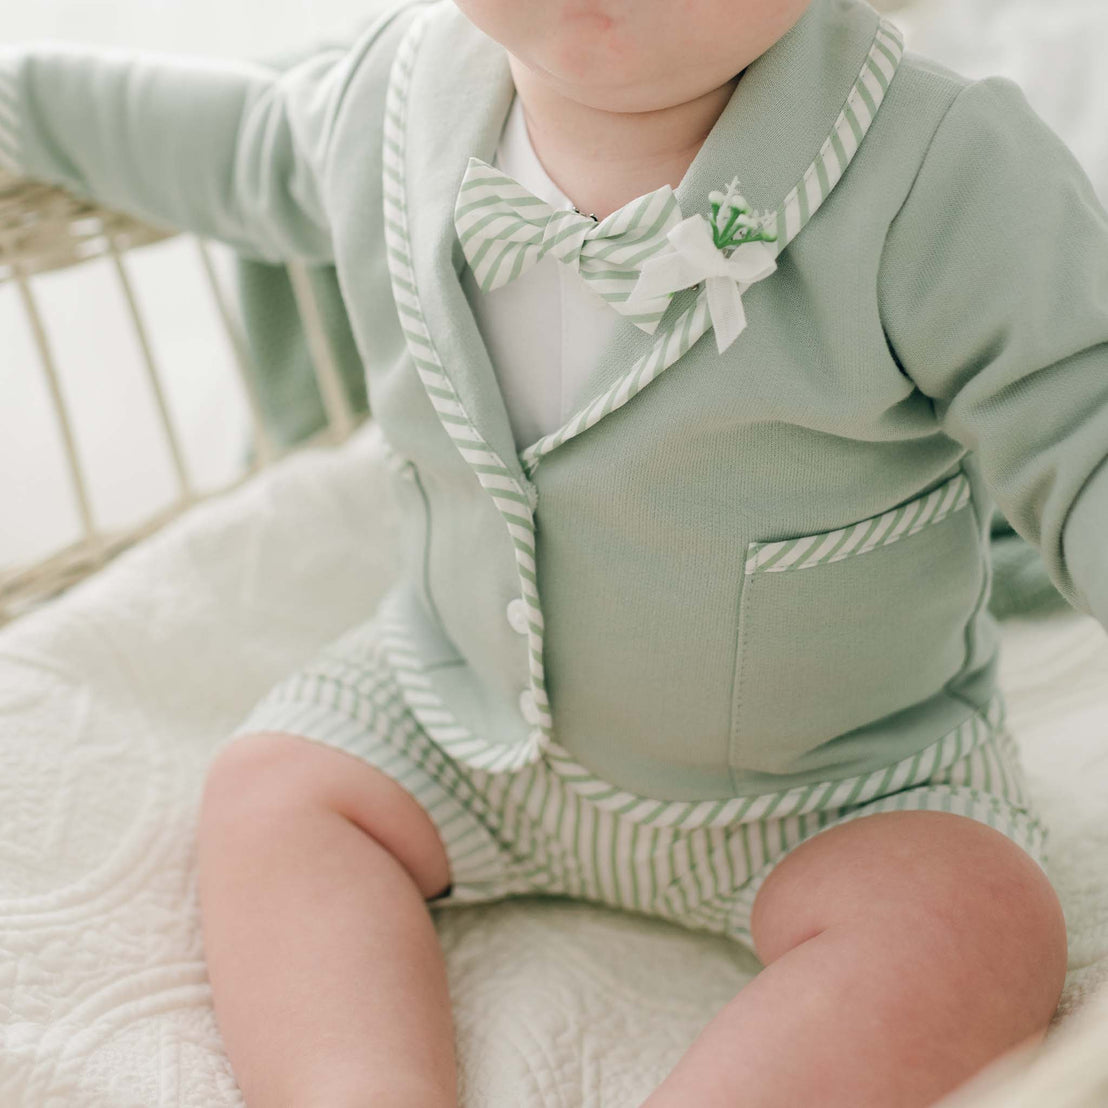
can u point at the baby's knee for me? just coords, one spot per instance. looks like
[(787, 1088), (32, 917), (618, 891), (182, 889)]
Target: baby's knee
[(258, 781), (1007, 939), (988, 907), (943, 900), (265, 768)]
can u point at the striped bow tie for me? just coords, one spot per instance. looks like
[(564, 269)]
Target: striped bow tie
[(504, 230)]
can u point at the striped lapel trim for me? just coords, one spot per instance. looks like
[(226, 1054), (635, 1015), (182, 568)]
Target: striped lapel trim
[(515, 502), (669, 346), (840, 146), (798, 207), (860, 538)]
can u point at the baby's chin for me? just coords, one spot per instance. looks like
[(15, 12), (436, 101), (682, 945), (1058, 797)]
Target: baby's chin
[(626, 83), (611, 55)]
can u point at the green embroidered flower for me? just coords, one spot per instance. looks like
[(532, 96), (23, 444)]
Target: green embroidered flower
[(733, 222)]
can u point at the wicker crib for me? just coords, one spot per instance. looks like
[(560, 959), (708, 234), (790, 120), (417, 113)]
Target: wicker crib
[(43, 229)]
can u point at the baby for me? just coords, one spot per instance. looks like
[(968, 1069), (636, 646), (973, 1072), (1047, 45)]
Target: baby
[(703, 336)]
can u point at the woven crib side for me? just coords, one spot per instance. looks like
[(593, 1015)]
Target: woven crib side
[(45, 228)]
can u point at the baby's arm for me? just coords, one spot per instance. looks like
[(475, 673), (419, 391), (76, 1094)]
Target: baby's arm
[(228, 150), (994, 296)]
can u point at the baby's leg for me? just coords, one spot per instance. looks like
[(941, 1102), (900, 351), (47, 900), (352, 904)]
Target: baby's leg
[(327, 976), (903, 952)]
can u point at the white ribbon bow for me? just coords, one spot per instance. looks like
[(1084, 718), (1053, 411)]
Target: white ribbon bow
[(695, 258)]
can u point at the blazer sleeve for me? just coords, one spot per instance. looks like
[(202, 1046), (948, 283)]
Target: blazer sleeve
[(232, 151), (993, 293)]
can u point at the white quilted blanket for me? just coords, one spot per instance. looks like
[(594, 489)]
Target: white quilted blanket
[(110, 701)]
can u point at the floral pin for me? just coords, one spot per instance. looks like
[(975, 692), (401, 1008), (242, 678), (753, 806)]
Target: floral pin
[(727, 253)]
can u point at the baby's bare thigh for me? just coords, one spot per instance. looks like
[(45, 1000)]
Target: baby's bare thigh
[(274, 768), (962, 902)]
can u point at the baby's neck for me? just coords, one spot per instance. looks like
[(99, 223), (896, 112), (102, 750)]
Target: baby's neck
[(602, 160)]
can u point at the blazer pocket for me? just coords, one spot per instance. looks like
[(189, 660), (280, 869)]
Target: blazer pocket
[(841, 628)]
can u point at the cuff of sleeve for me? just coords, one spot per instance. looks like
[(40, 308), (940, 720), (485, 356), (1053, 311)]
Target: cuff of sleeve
[(1085, 540), (10, 155)]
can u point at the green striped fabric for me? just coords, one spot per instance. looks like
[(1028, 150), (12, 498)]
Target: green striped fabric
[(537, 830), (504, 230)]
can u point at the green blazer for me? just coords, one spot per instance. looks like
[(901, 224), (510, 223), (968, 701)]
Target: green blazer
[(727, 574), (293, 410)]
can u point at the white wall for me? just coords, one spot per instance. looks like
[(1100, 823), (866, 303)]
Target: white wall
[(127, 464), (230, 28)]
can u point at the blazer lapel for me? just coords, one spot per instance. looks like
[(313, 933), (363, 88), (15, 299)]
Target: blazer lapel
[(458, 95), (785, 107), (794, 122)]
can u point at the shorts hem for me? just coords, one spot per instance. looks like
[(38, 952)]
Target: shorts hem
[(477, 869)]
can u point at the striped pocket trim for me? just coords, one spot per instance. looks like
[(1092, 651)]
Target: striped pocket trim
[(860, 538)]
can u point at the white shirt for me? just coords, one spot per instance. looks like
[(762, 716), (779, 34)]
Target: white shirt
[(545, 330)]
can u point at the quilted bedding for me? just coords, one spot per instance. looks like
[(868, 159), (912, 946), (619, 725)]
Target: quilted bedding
[(111, 699)]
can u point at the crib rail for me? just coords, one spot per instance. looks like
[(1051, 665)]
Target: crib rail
[(44, 228)]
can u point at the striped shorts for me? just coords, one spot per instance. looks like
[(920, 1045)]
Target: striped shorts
[(553, 828)]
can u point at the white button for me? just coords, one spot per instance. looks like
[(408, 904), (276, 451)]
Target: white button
[(517, 615), (528, 707)]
